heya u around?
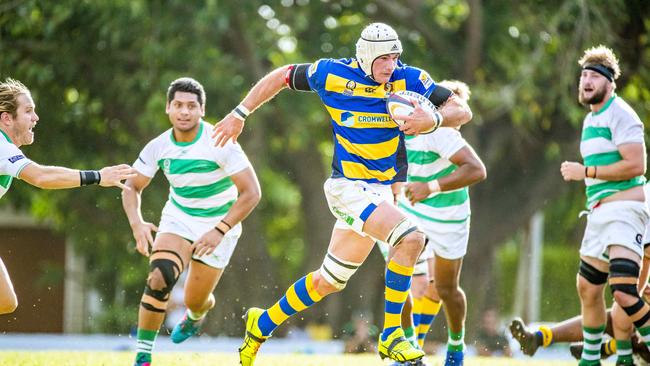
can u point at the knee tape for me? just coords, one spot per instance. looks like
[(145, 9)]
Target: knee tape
[(591, 274), (400, 230), (336, 271), (164, 269), (624, 274)]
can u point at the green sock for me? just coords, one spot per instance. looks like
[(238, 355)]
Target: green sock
[(409, 334), (624, 352), (455, 342), (146, 340)]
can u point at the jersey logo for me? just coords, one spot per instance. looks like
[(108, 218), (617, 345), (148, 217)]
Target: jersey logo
[(347, 119), (425, 79), (14, 159), (349, 87), (166, 164)]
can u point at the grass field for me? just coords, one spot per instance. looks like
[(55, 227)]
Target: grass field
[(221, 359)]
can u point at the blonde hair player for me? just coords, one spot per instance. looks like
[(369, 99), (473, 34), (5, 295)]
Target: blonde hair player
[(17, 120), (614, 163)]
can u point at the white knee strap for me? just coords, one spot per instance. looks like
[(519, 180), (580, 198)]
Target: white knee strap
[(400, 230), (336, 271)]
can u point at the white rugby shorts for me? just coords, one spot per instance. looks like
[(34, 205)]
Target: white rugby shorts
[(352, 201), (175, 221), (615, 223)]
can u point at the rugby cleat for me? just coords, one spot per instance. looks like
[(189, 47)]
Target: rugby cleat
[(398, 348), (142, 359), (253, 337), (186, 328), (455, 358), (529, 342)]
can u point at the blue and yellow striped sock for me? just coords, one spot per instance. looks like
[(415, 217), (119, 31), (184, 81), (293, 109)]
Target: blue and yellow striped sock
[(429, 310), (591, 350), (417, 311), (298, 297), (456, 341), (398, 283)]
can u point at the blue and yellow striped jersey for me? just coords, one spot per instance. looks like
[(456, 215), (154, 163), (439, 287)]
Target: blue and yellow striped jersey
[(367, 143)]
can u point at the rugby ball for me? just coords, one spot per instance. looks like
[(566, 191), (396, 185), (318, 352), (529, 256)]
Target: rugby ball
[(400, 103)]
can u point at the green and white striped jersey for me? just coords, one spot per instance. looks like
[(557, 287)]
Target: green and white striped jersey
[(12, 162), (602, 132), (428, 159), (198, 172)]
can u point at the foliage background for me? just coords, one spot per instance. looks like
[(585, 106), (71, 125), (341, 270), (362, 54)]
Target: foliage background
[(99, 70)]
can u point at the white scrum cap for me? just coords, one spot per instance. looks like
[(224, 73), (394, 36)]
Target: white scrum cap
[(377, 39)]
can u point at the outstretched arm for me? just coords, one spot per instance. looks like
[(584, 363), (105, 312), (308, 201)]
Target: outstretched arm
[(55, 177), (231, 126)]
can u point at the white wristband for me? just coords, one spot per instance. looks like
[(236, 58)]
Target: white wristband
[(434, 186), (240, 112)]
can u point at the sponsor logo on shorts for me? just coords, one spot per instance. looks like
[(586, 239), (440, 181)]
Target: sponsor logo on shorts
[(343, 216), (14, 159), (639, 238)]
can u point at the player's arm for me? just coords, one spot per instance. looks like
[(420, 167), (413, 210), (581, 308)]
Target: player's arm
[(632, 164), (455, 111), (231, 126), (471, 170), (8, 300), (452, 111), (249, 196), (131, 202), (55, 177)]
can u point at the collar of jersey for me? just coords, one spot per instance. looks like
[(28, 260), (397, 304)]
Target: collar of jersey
[(604, 108), (198, 135), (6, 136)]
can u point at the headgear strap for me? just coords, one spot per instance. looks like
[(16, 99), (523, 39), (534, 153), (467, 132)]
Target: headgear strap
[(601, 69)]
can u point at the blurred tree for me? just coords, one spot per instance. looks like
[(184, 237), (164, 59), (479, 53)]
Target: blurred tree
[(99, 72)]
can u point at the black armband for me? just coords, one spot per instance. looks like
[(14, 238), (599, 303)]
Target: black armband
[(296, 77), (88, 177), (440, 95)]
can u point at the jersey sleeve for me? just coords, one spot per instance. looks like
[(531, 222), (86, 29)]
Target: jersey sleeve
[(232, 158), (419, 81), (317, 73), (147, 163), (627, 128), (12, 160), (446, 141)]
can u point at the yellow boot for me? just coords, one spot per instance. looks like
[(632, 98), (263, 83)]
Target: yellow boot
[(253, 337), (397, 348)]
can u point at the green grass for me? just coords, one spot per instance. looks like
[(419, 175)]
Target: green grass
[(219, 359)]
